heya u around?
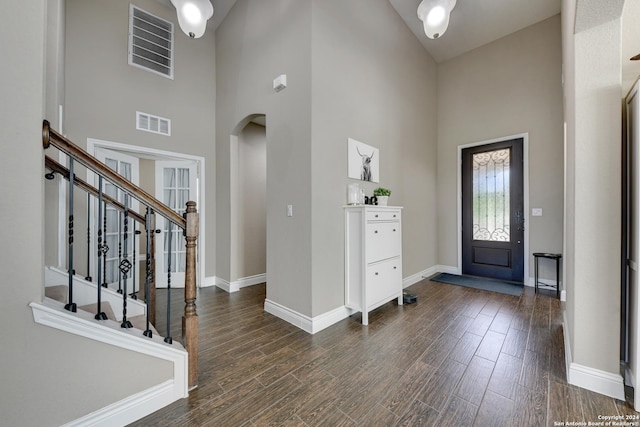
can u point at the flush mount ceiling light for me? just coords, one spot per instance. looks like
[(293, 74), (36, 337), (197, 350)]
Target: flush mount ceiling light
[(435, 16), (193, 16)]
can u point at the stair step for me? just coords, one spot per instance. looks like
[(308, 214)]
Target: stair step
[(140, 322), (93, 309), (57, 292)]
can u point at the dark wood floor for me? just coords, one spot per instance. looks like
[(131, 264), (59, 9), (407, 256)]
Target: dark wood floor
[(457, 357)]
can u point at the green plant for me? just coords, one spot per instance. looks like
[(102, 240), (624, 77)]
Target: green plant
[(380, 191)]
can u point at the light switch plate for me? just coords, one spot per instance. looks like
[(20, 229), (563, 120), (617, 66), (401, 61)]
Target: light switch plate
[(536, 212)]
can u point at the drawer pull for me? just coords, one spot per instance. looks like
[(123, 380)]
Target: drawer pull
[(394, 215), (376, 273), (376, 215), (395, 268), (375, 231), (394, 229)]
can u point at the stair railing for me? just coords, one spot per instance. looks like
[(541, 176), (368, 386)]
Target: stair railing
[(188, 223)]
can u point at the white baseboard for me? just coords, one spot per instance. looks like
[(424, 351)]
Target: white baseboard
[(446, 269), (208, 282), (602, 382), (421, 275), (129, 409), (549, 284), (306, 323), (52, 313), (243, 282)]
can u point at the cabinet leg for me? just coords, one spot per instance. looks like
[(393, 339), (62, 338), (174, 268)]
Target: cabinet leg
[(365, 318), (400, 299)]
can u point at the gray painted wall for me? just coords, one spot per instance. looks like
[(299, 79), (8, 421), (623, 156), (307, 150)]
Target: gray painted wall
[(48, 377), (371, 81), (257, 42), (508, 87), (249, 242), (103, 92)]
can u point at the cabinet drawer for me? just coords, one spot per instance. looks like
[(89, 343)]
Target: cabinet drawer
[(383, 215), (384, 281), (384, 240)]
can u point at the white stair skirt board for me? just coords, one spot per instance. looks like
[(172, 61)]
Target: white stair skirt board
[(602, 382), (52, 313), (236, 285)]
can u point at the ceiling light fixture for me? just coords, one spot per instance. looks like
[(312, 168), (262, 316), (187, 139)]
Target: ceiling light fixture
[(435, 16), (193, 16)]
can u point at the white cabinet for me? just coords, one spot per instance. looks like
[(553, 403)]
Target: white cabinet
[(373, 257)]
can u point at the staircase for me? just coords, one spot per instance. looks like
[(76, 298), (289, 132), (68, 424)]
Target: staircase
[(122, 315)]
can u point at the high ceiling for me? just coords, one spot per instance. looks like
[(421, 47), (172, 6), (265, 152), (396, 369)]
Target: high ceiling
[(473, 22)]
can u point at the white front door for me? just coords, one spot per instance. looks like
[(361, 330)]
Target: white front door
[(176, 183), (113, 219)]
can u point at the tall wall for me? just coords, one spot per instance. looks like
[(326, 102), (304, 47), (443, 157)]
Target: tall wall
[(371, 81), (255, 43), (508, 87), (103, 92), (48, 376), (593, 95)]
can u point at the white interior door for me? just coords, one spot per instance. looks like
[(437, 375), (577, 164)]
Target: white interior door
[(176, 183), (113, 220)]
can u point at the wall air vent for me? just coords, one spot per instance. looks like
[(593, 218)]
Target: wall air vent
[(154, 124), (150, 42)]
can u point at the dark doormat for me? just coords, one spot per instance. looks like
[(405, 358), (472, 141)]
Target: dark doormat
[(480, 283)]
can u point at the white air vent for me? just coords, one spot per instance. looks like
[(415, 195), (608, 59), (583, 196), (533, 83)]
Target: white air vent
[(154, 124), (150, 42)]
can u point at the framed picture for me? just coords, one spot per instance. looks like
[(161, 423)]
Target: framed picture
[(363, 161)]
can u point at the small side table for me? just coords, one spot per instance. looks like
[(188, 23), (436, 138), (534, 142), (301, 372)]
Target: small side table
[(556, 257)]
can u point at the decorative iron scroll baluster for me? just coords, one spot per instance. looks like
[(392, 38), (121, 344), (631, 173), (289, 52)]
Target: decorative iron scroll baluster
[(105, 247), (168, 338), (134, 294), (148, 225), (100, 315), (125, 264), (88, 276), (71, 306), (120, 251)]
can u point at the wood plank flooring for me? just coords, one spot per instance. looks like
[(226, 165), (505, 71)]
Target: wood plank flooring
[(457, 357)]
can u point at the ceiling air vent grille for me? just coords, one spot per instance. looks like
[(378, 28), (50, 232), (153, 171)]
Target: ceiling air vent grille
[(154, 124), (150, 42)]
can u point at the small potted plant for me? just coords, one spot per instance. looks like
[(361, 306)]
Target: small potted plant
[(382, 194)]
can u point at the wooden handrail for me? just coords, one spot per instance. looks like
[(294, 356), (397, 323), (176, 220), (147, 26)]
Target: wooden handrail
[(51, 137), (58, 168)]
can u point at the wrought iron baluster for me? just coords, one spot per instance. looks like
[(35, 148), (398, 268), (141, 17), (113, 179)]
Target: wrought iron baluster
[(168, 338), (88, 276), (71, 306), (147, 332), (119, 250), (100, 315), (105, 247), (125, 264), (134, 294)]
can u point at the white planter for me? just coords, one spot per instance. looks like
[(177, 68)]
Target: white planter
[(383, 200)]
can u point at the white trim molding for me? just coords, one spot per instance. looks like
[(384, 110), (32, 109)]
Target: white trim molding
[(51, 313), (243, 282), (602, 382), (306, 323), (208, 282)]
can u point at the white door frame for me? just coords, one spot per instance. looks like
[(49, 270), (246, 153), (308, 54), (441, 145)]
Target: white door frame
[(145, 152), (525, 173)]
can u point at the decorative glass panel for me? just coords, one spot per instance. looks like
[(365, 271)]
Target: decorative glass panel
[(491, 211)]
